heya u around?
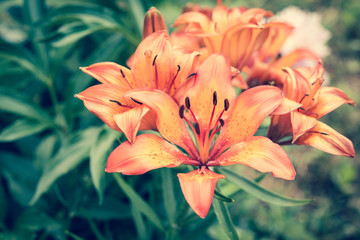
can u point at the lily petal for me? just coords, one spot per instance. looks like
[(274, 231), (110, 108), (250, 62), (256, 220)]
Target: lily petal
[(147, 153), (168, 121), (280, 127), (250, 109), (109, 72), (129, 121), (105, 100), (261, 154), (198, 188), (214, 75), (301, 123), (323, 137), (286, 106), (190, 17), (329, 99), (153, 61)]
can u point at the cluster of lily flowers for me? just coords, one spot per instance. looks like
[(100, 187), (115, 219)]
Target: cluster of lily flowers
[(183, 86)]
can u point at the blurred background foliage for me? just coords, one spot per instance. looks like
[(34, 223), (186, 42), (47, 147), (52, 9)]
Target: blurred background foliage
[(53, 150)]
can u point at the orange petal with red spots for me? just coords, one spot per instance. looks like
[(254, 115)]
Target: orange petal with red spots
[(147, 153), (261, 154), (326, 139), (198, 188)]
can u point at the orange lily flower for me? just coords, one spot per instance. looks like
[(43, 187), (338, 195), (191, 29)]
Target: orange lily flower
[(153, 22), (303, 85), (154, 66), (208, 108), (234, 32), (268, 62)]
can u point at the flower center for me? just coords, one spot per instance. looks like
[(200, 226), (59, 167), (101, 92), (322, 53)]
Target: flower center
[(204, 134)]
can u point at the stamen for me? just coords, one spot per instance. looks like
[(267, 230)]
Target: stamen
[(191, 75), (114, 101), (221, 122), (136, 101), (123, 75), (181, 111), (301, 108), (197, 128), (153, 63), (173, 80), (119, 103), (187, 102), (318, 132), (226, 104), (214, 98)]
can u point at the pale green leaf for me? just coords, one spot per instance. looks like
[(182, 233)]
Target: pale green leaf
[(224, 218), (258, 191), (21, 128), (138, 201), (168, 193), (76, 150), (221, 197), (98, 156)]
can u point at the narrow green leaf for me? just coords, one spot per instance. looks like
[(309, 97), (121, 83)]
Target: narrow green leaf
[(223, 216), (168, 193), (76, 150), (45, 149), (139, 222), (21, 128), (21, 106), (98, 156), (221, 197), (258, 191), (138, 201), (138, 12)]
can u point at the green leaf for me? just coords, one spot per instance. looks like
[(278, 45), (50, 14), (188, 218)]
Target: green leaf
[(18, 105), (137, 201), (168, 193), (223, 216), (45, 149), (139, 222), (20, 176), (76, 150), (98, 156), (21, 128), (221, 197), (258, 191), (24, 58), (138, 12)]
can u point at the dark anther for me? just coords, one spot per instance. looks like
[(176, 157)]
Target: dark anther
[(214, 98), (278, 56), (221, 122), (314, 82), (191, 75), (154, 60), (306, 94), (323, 133), (136, 101), (178, 68), (301, 108), (226, 104), (197, 128), (181, 111), (187, 102), (122, 73), (114, 101)]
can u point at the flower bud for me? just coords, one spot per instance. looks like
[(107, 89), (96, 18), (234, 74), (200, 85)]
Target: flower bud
[(153, 22)]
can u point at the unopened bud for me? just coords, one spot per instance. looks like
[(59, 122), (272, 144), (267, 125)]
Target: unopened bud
[(153, 22)]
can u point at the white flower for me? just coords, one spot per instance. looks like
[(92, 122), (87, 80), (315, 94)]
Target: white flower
[(308, 33)]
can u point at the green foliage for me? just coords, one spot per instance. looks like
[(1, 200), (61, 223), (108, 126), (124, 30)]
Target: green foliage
[(53, 151)]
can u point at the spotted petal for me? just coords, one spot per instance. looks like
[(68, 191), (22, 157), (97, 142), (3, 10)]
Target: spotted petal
[(198, 188), (147, 153), (329, 99), (323, 137), (168, 121), (261, 154), (105, 100), (249, 111)]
